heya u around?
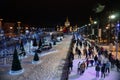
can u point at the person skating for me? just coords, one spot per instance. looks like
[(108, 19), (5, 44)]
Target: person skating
[(85, 52), (80, 43), (82, 68), (96, 59), (91, 61), (87, 62), (76, 49), (107, 66), (79, 53), (70, 65), (78, 69), (97, 69), (117, 64), (103, 71)]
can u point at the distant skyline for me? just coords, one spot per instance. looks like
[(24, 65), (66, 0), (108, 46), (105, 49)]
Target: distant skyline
[(50, 12)]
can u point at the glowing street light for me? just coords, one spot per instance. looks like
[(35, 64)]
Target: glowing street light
[(112, 16), (95, 22)]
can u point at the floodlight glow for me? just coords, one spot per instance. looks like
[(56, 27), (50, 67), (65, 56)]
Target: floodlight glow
[(89, 24), (95, 22), (112, 16), (118, 24)]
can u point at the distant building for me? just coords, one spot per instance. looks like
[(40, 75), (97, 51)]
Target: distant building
[(67, 27)]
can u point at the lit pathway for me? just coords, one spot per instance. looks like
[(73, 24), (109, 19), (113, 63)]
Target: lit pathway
[(50, 67)]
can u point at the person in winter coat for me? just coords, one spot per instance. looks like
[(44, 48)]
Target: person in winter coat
[(77, 42), (87, 62), (80, 43), (117, 64), (96, 59), (103, 71), (82, 68), (91, 61), (85, 52), (78, 70), (71, 55), (70, 65), (79, 53), (97, 69), (76, 49), (107, 67)]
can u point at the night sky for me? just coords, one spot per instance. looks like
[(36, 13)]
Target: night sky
[(50, 12)]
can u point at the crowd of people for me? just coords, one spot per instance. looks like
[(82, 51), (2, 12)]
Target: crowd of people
[(97, 56)]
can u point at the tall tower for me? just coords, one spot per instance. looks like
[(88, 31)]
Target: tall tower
[(67, 23)]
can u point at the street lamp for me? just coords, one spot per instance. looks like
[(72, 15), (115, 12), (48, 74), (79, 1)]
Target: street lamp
[(111, 17), (11, 30), (117, 44), (95, 22), (19, 28)]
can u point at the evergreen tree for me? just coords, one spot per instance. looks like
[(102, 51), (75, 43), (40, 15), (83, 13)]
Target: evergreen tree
[(16, 65), (34, 42), (36, 57)]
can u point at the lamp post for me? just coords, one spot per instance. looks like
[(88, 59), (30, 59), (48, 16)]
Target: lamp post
[(107, 28), (11, 30), (18, 27), (111, 17), (117, 44)]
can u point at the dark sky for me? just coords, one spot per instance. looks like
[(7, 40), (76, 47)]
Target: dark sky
[(48, 12)]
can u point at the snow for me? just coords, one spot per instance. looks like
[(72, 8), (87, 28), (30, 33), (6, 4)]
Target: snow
[(16, 72), (49, 68), (90, 73)]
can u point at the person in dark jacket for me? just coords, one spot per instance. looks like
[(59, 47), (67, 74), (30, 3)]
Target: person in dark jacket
[(79, 53), (70, 65), (117, 64), (80, 43), (76, 49), (103, 71), (91, 61), (107, 66), (97, 69), (87, 62), (78, 70), (96, 59)]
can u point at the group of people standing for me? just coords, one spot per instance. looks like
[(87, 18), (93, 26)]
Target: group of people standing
[(101, 59)]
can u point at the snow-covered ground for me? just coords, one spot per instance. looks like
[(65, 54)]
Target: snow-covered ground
[(50, 67), (90, 73)]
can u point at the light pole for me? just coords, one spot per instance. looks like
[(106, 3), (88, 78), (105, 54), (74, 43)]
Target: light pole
[(107, 28), (117, 44), (11, 30), (111, 17), (19, 28)]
